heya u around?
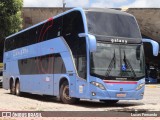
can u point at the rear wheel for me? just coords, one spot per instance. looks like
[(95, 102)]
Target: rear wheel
[(18, 93), (110, 101), (64, 94), (12, 88)]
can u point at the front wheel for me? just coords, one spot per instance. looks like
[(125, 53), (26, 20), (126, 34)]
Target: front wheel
[(110, 101), (64, 94)]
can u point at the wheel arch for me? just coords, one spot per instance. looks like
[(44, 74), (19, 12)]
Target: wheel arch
[(66, 97), (62, 79), (17, 79)]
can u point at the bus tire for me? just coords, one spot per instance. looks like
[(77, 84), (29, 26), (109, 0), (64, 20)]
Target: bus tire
[(18, 92), (12, 88), (110, 101), (64, 94)]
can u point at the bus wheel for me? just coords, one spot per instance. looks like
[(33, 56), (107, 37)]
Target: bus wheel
[(64, 94), (18, 93), (110, 101), (12, 88)]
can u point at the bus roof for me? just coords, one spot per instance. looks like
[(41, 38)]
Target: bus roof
[(107, 10), (74, 9)]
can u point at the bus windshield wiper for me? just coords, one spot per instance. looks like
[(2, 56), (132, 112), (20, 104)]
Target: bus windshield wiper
[(113, 62), (126, 61)]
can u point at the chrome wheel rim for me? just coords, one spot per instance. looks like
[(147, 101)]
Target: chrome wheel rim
[(66, 92)]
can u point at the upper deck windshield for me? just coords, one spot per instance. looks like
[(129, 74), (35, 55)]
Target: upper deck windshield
[(112, 24)]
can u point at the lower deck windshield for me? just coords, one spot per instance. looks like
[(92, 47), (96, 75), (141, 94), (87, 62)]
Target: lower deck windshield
[(112, 61)]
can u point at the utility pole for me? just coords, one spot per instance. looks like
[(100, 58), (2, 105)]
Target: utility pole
[(64, 4)]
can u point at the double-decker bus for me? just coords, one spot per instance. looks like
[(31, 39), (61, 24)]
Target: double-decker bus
[(78, 54)]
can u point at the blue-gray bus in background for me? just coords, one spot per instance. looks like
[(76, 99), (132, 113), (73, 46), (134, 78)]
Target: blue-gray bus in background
[(78, 54)]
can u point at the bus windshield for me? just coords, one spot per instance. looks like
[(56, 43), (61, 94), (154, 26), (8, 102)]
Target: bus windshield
[(112, 60), (107, 24)]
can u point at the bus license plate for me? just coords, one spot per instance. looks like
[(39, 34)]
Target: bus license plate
[(121, 95)]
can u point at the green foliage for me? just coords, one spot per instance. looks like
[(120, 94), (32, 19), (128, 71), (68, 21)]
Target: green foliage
[(10, 20), (10, 17)]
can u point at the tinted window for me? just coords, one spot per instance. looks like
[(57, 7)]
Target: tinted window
[(108, 24), (54, 28), (33, 36), (7, 48), (48, 64), (46, 31), (58, 64)]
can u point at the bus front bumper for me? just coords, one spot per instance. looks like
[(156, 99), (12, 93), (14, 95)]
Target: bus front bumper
[(117, 95)]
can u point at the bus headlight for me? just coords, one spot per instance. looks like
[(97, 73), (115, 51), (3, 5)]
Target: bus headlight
[(99, 85), (140, 86)]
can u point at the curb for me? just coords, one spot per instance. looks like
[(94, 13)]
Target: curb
[(153, 86)]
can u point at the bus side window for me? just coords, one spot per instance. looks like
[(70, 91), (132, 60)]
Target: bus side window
[(32, 36), (12, 45), (55, 28), (58, 64), (6, 45)]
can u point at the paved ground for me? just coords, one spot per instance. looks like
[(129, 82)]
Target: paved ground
[(29, 102), (151, 102)]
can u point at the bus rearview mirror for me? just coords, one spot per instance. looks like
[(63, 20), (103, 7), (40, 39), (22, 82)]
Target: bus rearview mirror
[(92, 41), (155, 46)]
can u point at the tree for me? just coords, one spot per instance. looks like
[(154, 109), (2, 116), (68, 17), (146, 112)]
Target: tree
[(10, 19)]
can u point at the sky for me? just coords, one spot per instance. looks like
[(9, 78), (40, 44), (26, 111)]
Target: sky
[(94, 3)]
